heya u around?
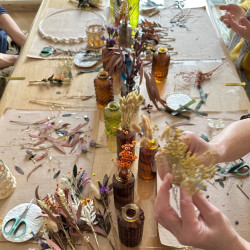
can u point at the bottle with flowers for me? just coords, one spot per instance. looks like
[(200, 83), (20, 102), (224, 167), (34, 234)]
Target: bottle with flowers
[(124, 180), (113, 33), (129, 112), (148, 149)]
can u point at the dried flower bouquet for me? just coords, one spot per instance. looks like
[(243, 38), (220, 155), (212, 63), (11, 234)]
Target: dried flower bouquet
[(187, 169)]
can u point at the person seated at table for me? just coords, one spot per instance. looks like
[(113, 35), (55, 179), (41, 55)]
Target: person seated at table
[(10, 36), (211, 230), (237, 17)]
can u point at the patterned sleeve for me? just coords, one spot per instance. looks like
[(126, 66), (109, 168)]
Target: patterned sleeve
[(2, 10)]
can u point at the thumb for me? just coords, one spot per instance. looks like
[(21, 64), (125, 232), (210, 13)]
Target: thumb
[(223, 7)]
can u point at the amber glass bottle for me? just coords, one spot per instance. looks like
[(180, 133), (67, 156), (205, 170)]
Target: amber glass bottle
[(123, 188), (160, 65), (103, 89), (146, 163), (130, 225)]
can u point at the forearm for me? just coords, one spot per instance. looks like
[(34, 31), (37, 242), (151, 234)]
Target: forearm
[(7, 60), (233, 142)]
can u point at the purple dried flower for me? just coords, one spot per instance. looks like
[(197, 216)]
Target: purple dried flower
[(92, 143), (84, 149), (103, 190), (102, 37), (102, 28)]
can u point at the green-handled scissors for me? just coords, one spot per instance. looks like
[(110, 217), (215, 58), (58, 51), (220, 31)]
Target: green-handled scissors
[(17, 226)]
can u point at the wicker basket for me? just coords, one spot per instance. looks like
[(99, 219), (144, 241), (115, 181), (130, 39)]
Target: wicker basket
[(94, 33), (7, 181)]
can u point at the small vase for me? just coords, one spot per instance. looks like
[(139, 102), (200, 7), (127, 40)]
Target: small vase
[(103, 89), (123, 188), (112, 117), (128, 88), (160, 65), (124, 137), (146, 163), (130, 225), (125, 34)]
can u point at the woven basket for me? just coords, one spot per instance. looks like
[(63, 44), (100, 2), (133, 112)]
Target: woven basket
[(7, 181), (94, 33)]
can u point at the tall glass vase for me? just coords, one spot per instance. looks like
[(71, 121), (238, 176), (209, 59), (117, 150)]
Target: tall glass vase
[(134, 12)]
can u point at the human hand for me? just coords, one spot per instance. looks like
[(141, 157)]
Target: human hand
[(210, 230), (232, 9), (241, 28)]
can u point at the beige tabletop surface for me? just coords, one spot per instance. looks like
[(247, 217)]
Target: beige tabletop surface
[(18, 94)]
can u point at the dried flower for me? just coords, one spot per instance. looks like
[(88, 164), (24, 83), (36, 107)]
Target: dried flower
[(94, 144), (187, 169), (130, 106), (84, 149)]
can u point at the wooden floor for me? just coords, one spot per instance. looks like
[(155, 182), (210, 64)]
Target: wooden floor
[(23, 19)]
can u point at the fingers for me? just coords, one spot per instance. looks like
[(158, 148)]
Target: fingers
[(164, 213), (188, 214)]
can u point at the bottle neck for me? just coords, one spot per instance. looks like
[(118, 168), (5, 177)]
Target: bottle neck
[(130, 212)]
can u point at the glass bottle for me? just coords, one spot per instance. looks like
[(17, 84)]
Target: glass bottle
[(7, 181), (130, 225), (123, 187), (103, 89), (134, 12), (112, 117), (114, 8), (146, 163), (125, 34), (124, 137), (160, 65)]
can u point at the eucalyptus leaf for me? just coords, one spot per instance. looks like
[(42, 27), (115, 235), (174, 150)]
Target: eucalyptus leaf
[(56, 174), (75, 171)]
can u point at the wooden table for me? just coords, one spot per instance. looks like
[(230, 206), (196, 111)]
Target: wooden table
[(18, 93)]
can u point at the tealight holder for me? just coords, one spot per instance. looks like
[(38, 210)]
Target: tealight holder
[(94, 33), (7, 181)]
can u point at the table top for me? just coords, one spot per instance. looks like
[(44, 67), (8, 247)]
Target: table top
[(18, 93)]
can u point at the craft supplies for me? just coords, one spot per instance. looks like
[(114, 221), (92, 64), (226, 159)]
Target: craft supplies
[(130, 225), (103, 89), (160, 65), (236, 84), (20, 221), (112, 118), (14, 226), (7, 181)]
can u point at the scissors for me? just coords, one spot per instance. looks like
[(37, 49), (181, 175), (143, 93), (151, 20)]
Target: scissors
[(239, 167), (17, 223), (179, 5)]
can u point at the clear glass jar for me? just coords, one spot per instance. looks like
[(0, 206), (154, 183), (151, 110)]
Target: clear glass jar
[(112, 117), (125, 34), (160, 65), (130, 225), (103, 89), (146, 163)]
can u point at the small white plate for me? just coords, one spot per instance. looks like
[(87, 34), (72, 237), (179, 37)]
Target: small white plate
[(83, 64), (175, 100)]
